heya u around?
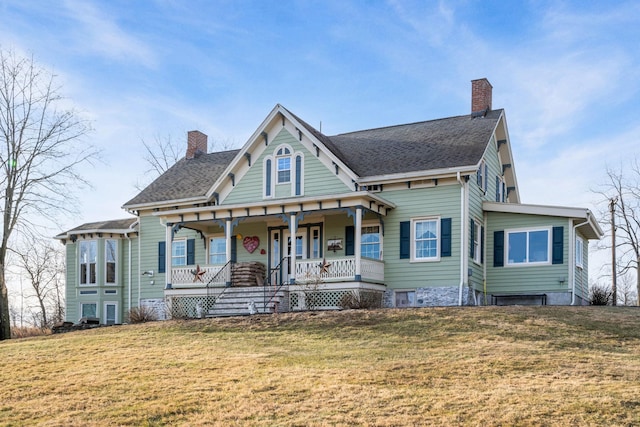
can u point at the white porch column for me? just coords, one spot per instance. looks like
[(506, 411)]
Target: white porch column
[(168, 251), (293, 230), (358, 243), (227, 235)]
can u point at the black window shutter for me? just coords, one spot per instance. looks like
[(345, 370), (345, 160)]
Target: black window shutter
[(191, 251), (349, 240), (486, 177), (472, 247), (498, 182), (498, 248), (405, 240), (298, 175), (482, 244), (234, 249), (267, 174), (445, 237), (558, 245), (161, 256)]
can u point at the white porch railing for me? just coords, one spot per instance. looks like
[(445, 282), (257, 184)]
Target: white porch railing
[(186, 276), (339, 269), (372, 269)]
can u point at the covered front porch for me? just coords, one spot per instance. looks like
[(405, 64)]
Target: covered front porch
[(335, 242)]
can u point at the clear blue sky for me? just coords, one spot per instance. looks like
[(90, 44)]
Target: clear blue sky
[(566, 72)]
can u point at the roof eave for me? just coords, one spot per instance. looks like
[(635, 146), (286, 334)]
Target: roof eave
[(402, 177), (561, 211)]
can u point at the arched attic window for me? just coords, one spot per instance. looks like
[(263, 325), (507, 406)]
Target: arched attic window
[(283, 173)]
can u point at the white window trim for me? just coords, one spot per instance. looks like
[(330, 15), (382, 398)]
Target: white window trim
[(413, 239), (374, 224), (183, 240), (501, 191), (579, 259), (277, 157), (477, 243), (80, 242), (482, 175), (215, 236), (105, 264), (89, 303), (527, 263), (104, 306)]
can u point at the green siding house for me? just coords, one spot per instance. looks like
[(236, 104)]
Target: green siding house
[(420, 214)]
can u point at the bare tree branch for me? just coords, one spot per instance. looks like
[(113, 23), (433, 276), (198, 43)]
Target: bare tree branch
[(42, 146)]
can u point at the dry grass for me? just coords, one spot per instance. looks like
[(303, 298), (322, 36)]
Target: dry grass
[(455, 366)]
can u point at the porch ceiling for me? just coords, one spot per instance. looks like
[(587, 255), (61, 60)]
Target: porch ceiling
[(364, 199)]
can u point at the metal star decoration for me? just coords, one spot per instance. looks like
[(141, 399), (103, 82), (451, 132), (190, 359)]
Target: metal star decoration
[(197, 274), (324, 266)]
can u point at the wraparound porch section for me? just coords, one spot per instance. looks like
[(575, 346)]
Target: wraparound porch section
[(330, 270)]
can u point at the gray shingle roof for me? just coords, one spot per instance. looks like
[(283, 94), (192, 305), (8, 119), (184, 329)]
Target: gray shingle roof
[(435, 144), (186, 179), (115, 225)]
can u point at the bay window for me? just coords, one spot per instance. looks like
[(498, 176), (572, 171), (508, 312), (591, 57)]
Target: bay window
[(111, 252), (88, 256)]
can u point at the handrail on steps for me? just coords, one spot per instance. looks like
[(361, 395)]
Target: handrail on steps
[(213, 280), (276, 286)]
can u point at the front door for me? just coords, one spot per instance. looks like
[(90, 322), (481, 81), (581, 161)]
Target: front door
[(281, 255)]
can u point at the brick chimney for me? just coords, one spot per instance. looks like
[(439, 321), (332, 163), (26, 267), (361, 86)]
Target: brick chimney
[(196, 144), (481, 91)]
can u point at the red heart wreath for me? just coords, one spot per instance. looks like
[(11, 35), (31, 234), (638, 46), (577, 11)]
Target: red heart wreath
[(251, 243)]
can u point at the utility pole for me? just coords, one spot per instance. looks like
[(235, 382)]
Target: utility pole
[(612, 209)]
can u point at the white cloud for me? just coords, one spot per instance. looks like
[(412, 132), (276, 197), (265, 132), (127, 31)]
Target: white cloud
[(100, 32)]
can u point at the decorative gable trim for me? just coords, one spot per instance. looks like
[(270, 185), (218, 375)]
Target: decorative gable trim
[(279, 118)]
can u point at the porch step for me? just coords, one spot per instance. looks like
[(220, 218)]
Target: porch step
[(234, 301)]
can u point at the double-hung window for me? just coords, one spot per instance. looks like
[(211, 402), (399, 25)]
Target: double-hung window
[(371, 243), (528, 247), (88, 256), (483, 171), (179, 252), (283, 165), (111, 254), (217, 250), (425, 239), (476, 243), (579, 252)]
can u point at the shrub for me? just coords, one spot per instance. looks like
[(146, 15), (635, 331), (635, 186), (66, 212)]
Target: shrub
[(142, 314), (26, 331), (361, 300), (600, 295)]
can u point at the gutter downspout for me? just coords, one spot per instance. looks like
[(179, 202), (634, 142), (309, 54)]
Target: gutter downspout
[(126, 235), (484, 261), (463, 236), (572, 261)]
